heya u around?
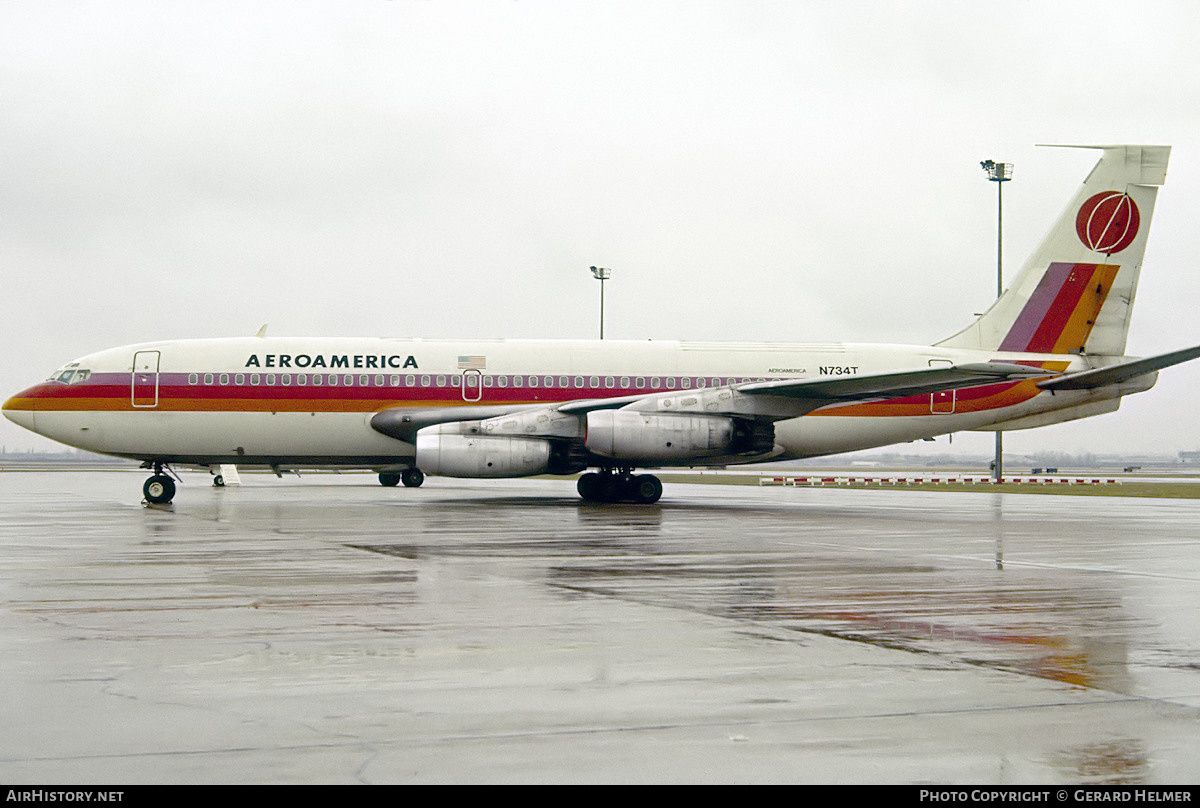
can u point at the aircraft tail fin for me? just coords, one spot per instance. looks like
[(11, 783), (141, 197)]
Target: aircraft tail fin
[(1075, 293)]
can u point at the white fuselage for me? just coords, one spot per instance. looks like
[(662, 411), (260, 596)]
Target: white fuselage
[(296, 402)]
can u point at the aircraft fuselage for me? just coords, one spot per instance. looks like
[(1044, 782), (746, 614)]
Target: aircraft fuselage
[(294, 402)]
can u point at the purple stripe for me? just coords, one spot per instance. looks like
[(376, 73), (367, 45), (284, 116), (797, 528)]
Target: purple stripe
[(1039, 303)]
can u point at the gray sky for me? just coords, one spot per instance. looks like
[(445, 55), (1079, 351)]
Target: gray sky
[(786, 171)]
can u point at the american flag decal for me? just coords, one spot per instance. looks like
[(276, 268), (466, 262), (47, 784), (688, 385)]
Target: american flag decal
[(472, 362)]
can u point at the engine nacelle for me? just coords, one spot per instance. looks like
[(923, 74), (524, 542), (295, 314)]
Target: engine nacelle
[(654, 438), (448, 454)]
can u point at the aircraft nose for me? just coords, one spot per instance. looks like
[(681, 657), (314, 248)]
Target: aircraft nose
[(20, 411)]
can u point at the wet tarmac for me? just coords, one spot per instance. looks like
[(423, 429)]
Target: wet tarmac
[(326, 629)]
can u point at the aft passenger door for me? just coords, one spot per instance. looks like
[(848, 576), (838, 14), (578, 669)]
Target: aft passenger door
[(942, 402), (144, 381)]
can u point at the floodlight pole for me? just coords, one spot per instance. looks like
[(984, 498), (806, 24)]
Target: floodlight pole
[(601, 274), (998, 173)]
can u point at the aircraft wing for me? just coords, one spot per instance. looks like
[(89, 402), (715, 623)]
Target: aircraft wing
[(1114, 374), (875, 386), (791, 398), (788, 398)]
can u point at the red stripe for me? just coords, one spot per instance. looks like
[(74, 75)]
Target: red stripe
[(1045, 338)]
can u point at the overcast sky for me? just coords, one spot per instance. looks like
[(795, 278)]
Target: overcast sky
[(785, 171)]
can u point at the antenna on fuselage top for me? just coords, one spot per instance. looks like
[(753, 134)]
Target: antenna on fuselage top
[(262, 332)]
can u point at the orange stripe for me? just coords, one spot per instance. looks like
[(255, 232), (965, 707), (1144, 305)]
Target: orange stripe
[(1079, 325)]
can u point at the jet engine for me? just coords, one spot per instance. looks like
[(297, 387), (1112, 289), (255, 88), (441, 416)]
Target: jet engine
[(657, 438), (457, 455)]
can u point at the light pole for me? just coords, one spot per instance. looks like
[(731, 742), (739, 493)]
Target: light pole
[(601, 274), (998, 173)]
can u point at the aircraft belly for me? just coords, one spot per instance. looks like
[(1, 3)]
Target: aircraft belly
[(810, 436), (204, 434)]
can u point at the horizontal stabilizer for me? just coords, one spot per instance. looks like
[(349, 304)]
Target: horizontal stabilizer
[(1115, 374)]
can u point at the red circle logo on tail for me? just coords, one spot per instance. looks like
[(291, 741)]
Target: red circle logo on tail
[(1108, 222)]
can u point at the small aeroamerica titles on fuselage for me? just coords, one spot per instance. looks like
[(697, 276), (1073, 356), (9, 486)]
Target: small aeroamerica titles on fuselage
[(358, 361)]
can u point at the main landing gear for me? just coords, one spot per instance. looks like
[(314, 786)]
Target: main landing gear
[(159, 489), (609, 485), (412, 477)]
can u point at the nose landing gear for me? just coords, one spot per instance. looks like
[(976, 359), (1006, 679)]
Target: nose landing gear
[(159, 489)]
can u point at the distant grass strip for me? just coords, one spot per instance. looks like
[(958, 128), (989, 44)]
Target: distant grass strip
[(1124, 488)]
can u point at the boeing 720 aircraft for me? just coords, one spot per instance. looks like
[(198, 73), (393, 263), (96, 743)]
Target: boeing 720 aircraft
[(1051, 349)]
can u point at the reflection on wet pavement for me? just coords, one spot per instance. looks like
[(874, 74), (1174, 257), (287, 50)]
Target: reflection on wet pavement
[(934, 634)]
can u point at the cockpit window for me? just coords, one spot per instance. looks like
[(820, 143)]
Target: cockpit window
[(71, 376)]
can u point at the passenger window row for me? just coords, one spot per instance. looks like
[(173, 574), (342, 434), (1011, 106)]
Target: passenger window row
[(654, 383)]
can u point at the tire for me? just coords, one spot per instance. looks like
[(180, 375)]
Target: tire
[(389, 478), (646, 489), (612, 488), (412, 477), (159, 489), (589, 487)]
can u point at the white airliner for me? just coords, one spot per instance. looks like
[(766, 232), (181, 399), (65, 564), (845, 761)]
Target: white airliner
[(1051, 349)]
